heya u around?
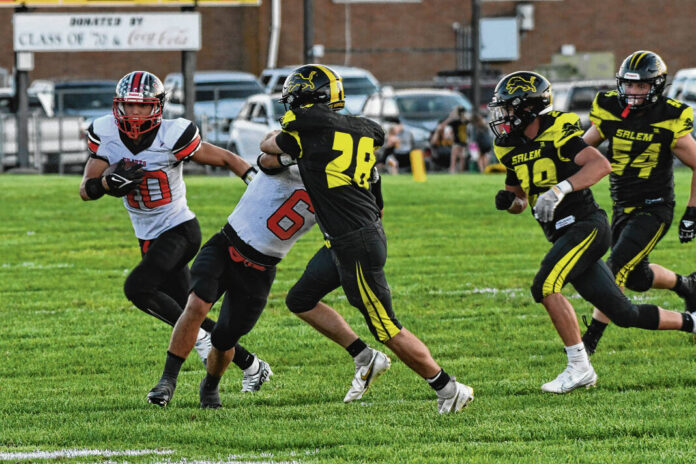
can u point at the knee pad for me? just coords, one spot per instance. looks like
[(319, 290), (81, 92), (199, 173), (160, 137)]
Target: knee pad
[(137, 288), (537, 292), (648, 317), (297, 302), (640, 279)]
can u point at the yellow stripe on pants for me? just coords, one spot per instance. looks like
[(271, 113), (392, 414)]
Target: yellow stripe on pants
[(378, 315), (554, 282), (622, 275)]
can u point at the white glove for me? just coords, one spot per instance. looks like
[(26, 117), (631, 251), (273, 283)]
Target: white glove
[(547, 201)]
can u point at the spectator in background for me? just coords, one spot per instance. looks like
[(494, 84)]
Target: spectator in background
[(480, 141), (386, 159), (457, 122)]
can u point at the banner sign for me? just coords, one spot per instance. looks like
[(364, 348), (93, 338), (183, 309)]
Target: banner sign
[(149, 3), (65, 32)]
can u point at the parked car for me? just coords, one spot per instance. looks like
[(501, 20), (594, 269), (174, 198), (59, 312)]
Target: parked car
[(418, 110), (577, 97), (259, 115), (358, 83), (219, 97), (87, 98)]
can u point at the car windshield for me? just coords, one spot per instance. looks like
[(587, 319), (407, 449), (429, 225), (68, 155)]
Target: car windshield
[(278, 109), (358, 86), (84, 99), (226, 89), (429, 106)]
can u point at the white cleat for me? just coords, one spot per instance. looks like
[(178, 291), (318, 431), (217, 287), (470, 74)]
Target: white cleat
[(366, 374), (570, 379), (462, 396), (252, 382), (203, 346)]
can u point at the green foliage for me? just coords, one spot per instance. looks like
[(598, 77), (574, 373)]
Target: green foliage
[(79, 359)]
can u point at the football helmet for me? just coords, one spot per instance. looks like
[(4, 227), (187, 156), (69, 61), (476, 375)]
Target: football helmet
[(138, 87), (517, 101), (313, 83), (642, 66)]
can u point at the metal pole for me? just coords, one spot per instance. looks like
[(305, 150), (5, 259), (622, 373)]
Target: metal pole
[(308, 30), (475, 54), (21, 86), (188, 68)]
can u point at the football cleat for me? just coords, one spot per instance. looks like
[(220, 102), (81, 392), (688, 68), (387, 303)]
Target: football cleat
[(570, 379), (366, 374), (456, 401), (210, 398), (203, 346), (688, 292), (253, 382), (162, 393)]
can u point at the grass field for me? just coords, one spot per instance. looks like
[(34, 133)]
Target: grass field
[(78, 359)]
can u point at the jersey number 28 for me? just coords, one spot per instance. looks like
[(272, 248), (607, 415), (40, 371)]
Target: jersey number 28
[(338, 171)]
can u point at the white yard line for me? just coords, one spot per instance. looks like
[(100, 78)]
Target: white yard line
[(74, 453)]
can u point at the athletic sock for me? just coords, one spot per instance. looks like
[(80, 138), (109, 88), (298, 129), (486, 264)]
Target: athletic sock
[(242, 358), (440, 380), (356, 347), (172, 366), (211, 381), (208, 325), (577, 356), (253, 367), (687, 323)]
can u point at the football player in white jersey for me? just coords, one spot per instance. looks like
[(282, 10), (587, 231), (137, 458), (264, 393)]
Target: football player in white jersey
[(137, 155), (240, 262)]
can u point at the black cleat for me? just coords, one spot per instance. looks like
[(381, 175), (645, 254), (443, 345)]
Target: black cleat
[(210, 398), (687, 290), (162, 394)]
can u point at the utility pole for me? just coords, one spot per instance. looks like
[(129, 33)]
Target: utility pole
[(476, 53), (308, 30)]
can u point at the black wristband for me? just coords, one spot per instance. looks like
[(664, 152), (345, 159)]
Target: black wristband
[(94, 188), (248, 176), (690, 212), (269, 171)]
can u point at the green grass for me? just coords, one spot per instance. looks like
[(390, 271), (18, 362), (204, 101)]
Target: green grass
[(78, 359)]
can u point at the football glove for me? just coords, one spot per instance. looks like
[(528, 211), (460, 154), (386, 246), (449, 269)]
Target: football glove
[(548, 201), (124, 179), (687, 225), (504, 199)]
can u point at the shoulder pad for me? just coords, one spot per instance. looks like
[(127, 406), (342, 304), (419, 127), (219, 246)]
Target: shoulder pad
[(105, 126), (171, 131)]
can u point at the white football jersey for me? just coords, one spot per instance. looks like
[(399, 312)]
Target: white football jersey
[(274, 212), (160, 202)]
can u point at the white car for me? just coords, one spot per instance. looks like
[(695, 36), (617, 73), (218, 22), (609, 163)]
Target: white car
[(259, 115), (219, 97), (358, 83)]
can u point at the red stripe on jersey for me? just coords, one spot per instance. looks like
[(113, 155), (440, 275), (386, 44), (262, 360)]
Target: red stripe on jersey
[(188, 149), (146, 246), (135, 85), (92, 146)]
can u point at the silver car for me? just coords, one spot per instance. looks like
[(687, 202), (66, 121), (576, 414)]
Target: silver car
[(259, 115)]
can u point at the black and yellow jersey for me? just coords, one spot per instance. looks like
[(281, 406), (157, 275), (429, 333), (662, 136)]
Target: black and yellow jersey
[(538, 164), (335, 154), (640, 147), (459, 131)]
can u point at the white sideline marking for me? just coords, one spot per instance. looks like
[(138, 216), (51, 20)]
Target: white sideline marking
[(227, 462), (74, 453)]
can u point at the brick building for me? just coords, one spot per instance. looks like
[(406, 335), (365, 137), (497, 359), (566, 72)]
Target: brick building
[(397, 41)]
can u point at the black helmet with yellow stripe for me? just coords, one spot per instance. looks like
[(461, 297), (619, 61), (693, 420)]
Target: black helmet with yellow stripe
[(313, 83), (642, 66)]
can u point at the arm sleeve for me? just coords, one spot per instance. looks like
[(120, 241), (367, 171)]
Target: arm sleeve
[(376, 190), (289, 142), (511, 178), (188, 143)]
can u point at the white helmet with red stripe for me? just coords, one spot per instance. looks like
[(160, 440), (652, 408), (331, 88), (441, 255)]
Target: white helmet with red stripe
[(138, 87)]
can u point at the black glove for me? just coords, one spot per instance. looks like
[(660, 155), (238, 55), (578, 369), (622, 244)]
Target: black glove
[(504, 199), (687, 224), (124, 178)]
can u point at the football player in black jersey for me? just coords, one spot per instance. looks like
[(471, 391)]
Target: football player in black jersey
[(335, 154), (146, 153), (644, 129), (550, 167)]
